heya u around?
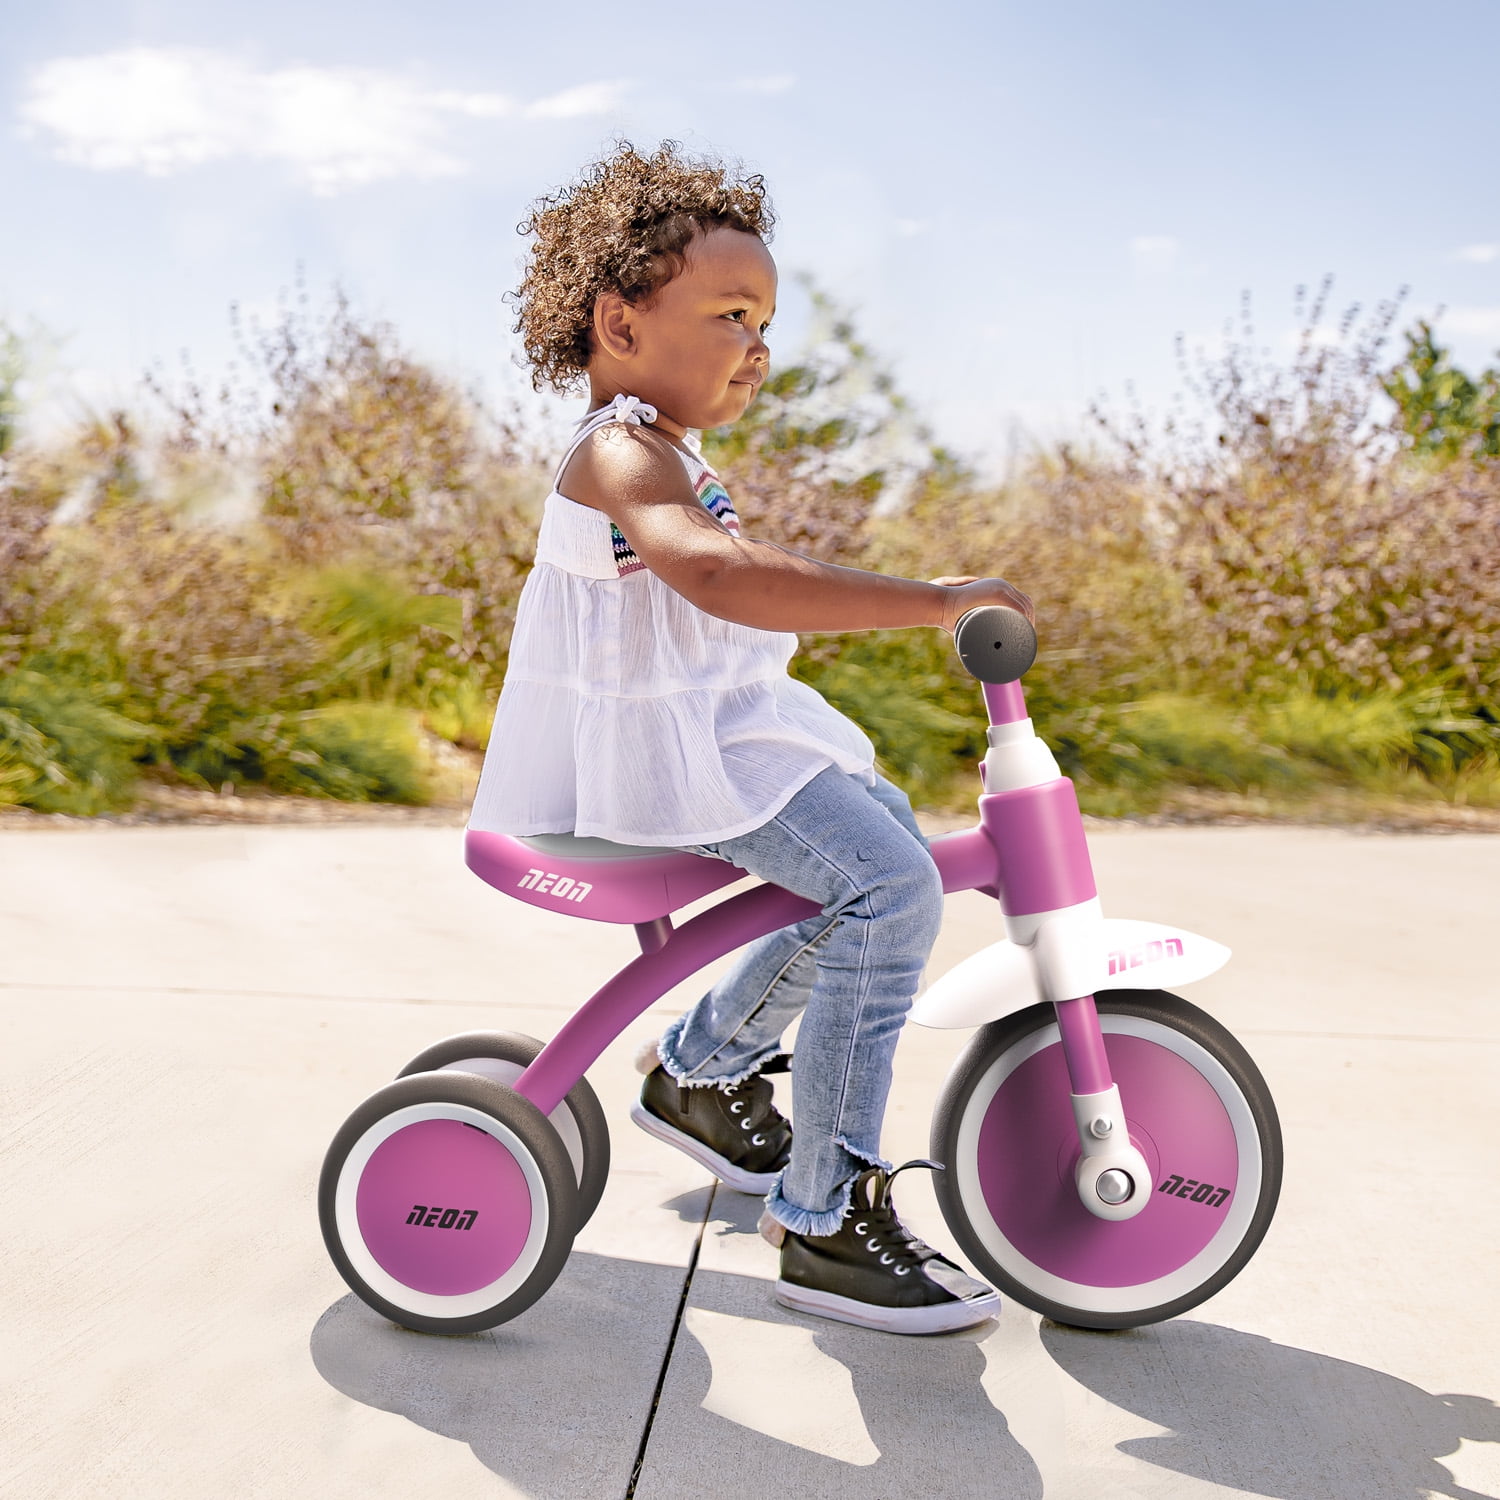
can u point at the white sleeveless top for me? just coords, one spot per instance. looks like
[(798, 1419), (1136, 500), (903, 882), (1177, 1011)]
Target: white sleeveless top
[(630, 714)]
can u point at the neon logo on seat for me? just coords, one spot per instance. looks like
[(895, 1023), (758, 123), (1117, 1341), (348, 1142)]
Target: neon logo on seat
[(557, 885)]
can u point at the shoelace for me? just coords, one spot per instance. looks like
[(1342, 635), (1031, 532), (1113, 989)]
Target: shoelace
[(752, 1101), (884, 1234)]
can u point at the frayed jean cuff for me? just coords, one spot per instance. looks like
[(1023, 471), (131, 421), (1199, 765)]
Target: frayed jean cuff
[(804, 1220), (809, 1221), (666, 1051)]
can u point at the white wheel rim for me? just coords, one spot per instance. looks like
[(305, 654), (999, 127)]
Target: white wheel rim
[(374, 1275), (1085, 1296)]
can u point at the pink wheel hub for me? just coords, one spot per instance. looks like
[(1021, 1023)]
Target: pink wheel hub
[(443, 1207), (1027, 1147)]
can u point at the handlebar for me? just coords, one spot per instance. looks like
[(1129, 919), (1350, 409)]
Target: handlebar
[(995, 643)]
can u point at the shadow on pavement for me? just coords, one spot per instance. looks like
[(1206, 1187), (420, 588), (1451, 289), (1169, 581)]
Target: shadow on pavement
[(556, 1401), (931, 1428), (1274, 1420)]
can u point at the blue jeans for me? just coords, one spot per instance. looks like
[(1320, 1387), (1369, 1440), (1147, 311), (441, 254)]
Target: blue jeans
[(853, 969)]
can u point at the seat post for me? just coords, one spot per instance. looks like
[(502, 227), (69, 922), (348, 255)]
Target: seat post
[(654, 935)]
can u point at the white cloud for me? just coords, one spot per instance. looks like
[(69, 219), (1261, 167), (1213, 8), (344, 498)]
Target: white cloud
[(906, 228), (162, 110), (772, 83), (1154, 252), (585, 99), (1479, 254), (1471, 322)]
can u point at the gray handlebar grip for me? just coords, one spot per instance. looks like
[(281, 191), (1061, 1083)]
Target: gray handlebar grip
[(995, 643)]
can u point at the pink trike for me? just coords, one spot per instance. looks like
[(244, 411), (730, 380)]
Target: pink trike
[(1112, 1155)]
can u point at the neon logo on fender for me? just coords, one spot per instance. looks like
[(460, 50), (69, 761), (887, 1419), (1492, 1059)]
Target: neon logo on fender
[(1148, 953)]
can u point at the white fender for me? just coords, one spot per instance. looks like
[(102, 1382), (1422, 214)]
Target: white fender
[(1072, 954)]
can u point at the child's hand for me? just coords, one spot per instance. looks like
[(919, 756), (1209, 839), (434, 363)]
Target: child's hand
[(970, 593)]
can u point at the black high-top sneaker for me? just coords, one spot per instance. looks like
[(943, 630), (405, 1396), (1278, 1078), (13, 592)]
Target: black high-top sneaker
[(736, 1132), (874, 1272)]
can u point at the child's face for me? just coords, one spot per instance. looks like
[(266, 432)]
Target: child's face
[(697, 350)]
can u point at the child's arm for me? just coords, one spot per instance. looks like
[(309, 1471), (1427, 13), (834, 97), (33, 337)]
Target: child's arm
[(629, 473)]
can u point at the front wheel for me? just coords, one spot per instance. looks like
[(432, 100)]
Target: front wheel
[(448, 1202), (1198, 1111)]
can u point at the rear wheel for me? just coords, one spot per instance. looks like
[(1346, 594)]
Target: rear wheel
[(448, 1202), (1199, 1112), (579, 1119)]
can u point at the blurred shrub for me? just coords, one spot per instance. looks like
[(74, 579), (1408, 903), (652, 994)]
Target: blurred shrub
[(1288, 583), (457, 708), (12, 371), (1444, 412), (905, 689), (25, 508), (192, 627), (355, 752), (1315, 555), (373, 623), (61, 750), (369, 459)]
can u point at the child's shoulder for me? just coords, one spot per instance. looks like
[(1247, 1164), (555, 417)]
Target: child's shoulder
[(621, 461)]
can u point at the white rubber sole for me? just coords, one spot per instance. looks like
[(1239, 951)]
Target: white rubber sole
[(756, 1183), (942, 1317)]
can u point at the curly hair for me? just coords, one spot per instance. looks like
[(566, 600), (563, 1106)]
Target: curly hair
[(624, 227)]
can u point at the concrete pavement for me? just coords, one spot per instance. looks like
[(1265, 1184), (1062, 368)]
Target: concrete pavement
[(191, 1012)]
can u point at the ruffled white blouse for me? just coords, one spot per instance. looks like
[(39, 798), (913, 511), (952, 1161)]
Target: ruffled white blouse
[(630, 714)]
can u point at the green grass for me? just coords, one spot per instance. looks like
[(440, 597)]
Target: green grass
[(1163, 751), (62, 750), (355, 752)]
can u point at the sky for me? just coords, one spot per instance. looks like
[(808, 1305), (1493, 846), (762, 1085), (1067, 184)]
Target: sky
[(1021, 206)]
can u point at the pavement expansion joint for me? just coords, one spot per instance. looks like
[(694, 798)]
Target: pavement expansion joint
[(666, 1358)]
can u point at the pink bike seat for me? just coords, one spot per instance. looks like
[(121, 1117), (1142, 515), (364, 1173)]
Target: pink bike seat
[(593, 877)]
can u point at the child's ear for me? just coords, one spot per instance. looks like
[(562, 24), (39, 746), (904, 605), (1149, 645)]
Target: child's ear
[(614, 331)]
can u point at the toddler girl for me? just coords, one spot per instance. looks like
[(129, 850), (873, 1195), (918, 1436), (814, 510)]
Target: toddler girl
[(647, 702)]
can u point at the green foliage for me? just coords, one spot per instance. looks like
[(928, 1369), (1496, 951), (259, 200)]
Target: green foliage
[(1313, 555), (457, 708), (60, 749), (12, 369), (1202, 744), (1284, 597), (189, 625), (1293, 744), (355, 752), (374, 623), (1425, 729), (358, 752), (905, 689), (1444, 412)]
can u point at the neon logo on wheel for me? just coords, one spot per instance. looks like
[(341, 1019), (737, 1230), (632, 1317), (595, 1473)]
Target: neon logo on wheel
[(442, 1218), (1194, 1191)]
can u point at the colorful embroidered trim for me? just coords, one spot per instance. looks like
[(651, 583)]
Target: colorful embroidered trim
[(712, 496), (625, 559), (715, 500)]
